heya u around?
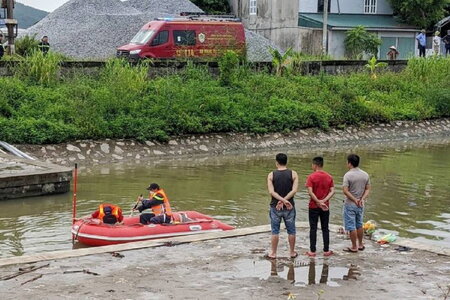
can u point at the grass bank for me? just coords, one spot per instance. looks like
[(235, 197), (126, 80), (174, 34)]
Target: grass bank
[(37, 106)]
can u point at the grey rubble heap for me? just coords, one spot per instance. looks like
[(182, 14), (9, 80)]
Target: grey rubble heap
[(93, 29)]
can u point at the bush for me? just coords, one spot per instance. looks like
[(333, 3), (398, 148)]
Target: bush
[(359, 42), (228, 63), (434, 69), (26, 45), (40, 68), (35, 131), (124, 77), (440, 101), (123, 103)]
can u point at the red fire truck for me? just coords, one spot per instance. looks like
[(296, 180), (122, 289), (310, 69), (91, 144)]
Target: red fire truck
[(186, 37)]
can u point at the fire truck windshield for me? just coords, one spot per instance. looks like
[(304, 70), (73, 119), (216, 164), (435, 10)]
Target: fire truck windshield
[(142, 37)]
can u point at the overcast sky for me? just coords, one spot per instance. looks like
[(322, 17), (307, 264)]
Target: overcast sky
[(47, 5)]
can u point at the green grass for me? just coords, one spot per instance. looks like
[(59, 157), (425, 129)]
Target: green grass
[(42, 107)]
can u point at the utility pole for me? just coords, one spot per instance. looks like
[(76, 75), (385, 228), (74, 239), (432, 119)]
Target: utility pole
[(325, 28), (11, 24)]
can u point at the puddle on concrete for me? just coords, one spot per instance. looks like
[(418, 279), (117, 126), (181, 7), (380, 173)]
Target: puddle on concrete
[(298, 272)]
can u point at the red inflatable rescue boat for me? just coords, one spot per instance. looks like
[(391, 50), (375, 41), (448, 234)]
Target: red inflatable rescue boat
[(91, 232)]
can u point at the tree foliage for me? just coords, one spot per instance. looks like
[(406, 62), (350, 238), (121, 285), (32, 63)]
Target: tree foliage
[(121, 102), (373, 65), (227, 66), (213, 6), (358, 42), (26, 45), (280, 60), (423, 13)]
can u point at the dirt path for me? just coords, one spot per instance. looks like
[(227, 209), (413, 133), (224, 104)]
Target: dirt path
[(234, 268)]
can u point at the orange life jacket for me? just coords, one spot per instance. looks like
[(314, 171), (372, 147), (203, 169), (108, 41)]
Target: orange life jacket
[(163, 208), (114, 211)]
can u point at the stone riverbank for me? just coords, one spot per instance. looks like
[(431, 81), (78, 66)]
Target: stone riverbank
[(99, 152)]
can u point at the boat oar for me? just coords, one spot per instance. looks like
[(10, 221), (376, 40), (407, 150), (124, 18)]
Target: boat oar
[(135, 205)]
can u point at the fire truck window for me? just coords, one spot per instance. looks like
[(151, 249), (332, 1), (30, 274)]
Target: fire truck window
[(184, 37), (161, 38)]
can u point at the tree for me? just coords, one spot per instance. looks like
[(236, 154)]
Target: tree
[(358, 42), (280, 61), (372, 65), (423, 13), (213, 6)]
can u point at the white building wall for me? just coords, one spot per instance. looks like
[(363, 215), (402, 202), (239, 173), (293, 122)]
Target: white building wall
[(336, 47), (345, 7), (384, 8), (351, 6), (308, 6)]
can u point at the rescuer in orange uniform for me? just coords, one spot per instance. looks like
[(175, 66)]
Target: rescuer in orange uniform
[(108, 213), (156, 209)]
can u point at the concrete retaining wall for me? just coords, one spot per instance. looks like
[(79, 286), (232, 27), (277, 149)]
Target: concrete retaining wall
[(162, 68), (26, 178)]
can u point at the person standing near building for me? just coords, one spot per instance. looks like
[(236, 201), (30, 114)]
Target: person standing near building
[(2, 49), (282, 185), (392, 53), (356, 187), (320, 187), (421, 43), (437, 43), (446, 41), (44, 46)]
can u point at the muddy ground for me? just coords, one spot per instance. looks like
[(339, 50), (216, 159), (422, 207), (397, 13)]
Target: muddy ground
[(235, 268)]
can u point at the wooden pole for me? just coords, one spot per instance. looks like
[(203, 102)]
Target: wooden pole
[(10, 26), (74, 199), (325, 28)]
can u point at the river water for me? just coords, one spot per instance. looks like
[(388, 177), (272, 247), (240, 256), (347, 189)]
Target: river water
[(410, 193)]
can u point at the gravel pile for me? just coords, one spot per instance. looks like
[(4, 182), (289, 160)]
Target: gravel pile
[(258, 47), (90, 28), (93, 29), (150, 6)]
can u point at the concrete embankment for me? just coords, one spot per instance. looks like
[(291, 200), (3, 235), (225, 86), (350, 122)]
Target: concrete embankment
[(23, 178), (229, 265), (97, 152)]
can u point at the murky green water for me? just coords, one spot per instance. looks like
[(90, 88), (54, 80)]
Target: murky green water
[(410, 193)]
